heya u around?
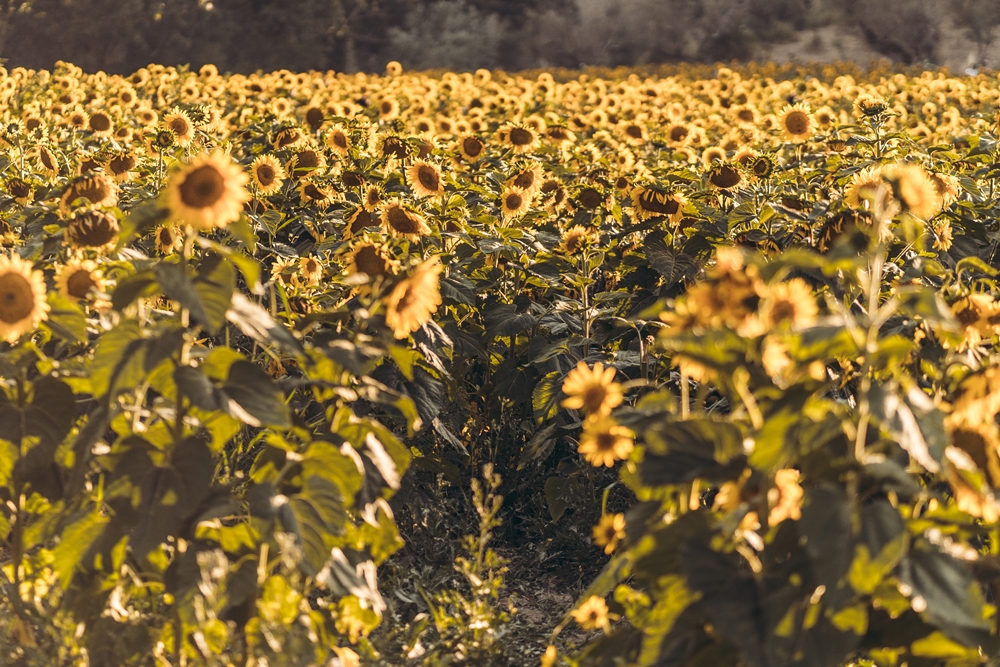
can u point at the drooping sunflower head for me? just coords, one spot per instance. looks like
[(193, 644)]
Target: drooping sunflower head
[(425, 179), (868, 105), (305, 161), (95, 229), (414, 300), (317, 195), (402, 221), (120, 165), (371, 260), (726, 176), (372, 198), (529, 179), (22, 298), (267, 174), (649, 202), (288, 137), (93, 190), (207, 193)]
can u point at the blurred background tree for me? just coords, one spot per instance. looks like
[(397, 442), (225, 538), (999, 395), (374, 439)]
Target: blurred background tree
[(351, 35)]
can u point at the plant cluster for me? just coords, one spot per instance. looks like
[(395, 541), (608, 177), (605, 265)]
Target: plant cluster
[(748, 318)]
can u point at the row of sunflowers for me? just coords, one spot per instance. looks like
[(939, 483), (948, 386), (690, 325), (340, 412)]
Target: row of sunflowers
[(237, 307)]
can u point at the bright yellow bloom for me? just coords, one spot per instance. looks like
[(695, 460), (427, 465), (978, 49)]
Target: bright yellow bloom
[(604, 441), (22, 298), (592, 614), (208, 193), (593, 390), (414, 300), (609, 531)]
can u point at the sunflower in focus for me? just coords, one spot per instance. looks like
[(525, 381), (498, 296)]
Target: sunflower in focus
[(22, 298), (315, 194), (425, 179), (577, 238), (207, 193), (521, 138), (604, 441), (414, 300), (514, 202), (471, 148), (727, 176), (267, 174), (371, 260), (796, 123), (338, 140), (76, 279), (650, 203), (180, 124)]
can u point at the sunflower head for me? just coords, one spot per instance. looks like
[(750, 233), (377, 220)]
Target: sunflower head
[(207, 193), (77, 279), (726, 176), (267, 174), (91, 190), (425, 179), (94, 229), (401, 221), (796, 123), (414, 300), (514, 202), (22, 298)]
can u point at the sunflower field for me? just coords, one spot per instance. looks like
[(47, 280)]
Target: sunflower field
[(323, 369)]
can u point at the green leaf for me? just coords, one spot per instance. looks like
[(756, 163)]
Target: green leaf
[(557, 491), (74, 542), (253, 396), (319, 516), (913, 421), (118, 359), (131, 288), (681, 451), (66, 319), (257, 323)]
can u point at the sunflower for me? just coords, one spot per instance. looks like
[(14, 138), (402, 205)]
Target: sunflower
[(649, 203), (338, 140), (864, 186), (357, 221), (288, 137), (76, 279), (267, 174), (425, 179), (560, 134), (796, 123), (120, 165), (180, 124), (209, 192), (609, 531), (305, 161), (96, 190), (93, 229), (868, 105), (592, 614), (18, 189), (371, 260), (146, 116), (372, 198), (915, 189), (47, 162), (635, 134), (471, 148), (402, 221), (713, 154), (514, 202), (310, 271), (979, 315), (790, 303), (604, 441), (315, 194), (100, 124), (168, 239), (414, 300), (578, 237), (22, 298), (726, 176), (593, 390), (529, 179), (762, 166), (521, 138)]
